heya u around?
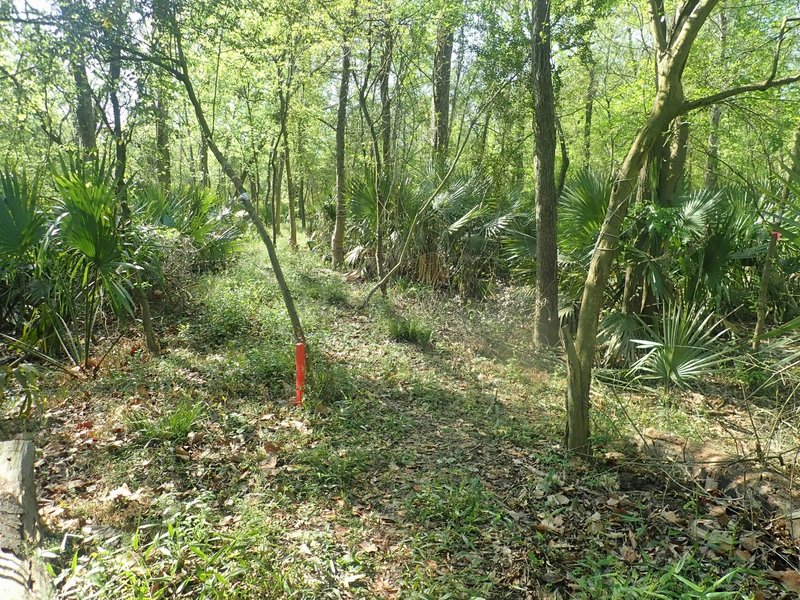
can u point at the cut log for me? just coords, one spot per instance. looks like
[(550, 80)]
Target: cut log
[(22, 574)]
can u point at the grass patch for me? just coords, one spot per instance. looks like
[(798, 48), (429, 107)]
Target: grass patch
[(408, 330), (173, 425)]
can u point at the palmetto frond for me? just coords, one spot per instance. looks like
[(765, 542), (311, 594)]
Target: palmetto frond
[(21, 221), (682, 347)]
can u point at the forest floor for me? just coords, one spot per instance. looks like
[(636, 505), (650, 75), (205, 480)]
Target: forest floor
[(415, 470)]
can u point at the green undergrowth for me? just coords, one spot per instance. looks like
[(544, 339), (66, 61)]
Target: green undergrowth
[(415, 470)]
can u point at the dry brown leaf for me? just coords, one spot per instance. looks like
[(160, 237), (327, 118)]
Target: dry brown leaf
[(790, 578), (368, 547), (629, 555), (300, 427), (557, 500), (552, 524), (749, 542), (742, 555), (670, 517)]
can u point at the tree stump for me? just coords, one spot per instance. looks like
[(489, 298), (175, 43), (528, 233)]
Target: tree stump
[(22, 575)]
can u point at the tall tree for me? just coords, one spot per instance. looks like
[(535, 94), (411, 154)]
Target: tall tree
[(544, 133), (440, 108), (337, 240), (670, 102)]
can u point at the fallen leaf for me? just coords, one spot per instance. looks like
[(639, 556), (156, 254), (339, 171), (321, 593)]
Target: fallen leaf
[(670, 517), (552, 524), (352, 578), (790, 578), (749, 542), (629, 555), (742, 555), (558, 500), (122, 491), (300, 427), (368, 547)]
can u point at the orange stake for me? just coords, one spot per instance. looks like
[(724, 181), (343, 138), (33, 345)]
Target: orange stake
[(300, 366)]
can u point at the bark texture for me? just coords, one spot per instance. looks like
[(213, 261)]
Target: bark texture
[(22, 577), (440, 113), (546, 304), (337, 240)]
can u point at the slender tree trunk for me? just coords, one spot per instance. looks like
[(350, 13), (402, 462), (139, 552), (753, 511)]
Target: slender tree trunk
[(442, 61), (183, 76), (712, 165), (204, 179), (84, 109), (588, 111), (291, 192), (162, 141), (383, 169), (301, 203), (546, 306), (277, 184), (268, 193), (337, 240), (121, 187), (772, 248)]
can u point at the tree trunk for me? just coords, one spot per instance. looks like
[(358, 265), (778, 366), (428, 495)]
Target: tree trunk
[(163, 167), (772, 248), (291, 192), (673, 163), (227, 169), (588, 111), (277, 183), (442, 61), (712, 165), (580, 362), (301, 203), (84, 109), (337, 240), (204, 179), (21, 577), (121, 189), (546, 306)]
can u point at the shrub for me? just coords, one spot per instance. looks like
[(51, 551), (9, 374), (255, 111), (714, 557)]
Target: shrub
[(681, 347)]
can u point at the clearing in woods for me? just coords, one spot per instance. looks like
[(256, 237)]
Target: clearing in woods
[(426, 463)]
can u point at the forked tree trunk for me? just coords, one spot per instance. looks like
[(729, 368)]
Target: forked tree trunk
[(546, 304), (337, 239), (669, 102)]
